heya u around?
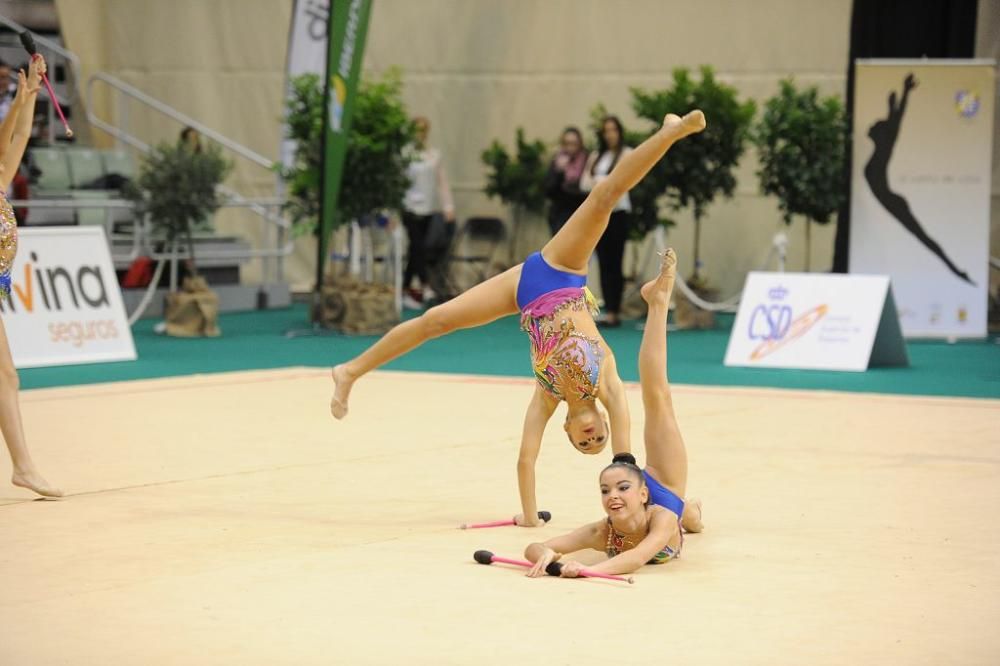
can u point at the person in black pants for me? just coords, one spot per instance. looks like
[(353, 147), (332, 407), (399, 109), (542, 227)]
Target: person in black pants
[(611, 247), (562, 182), (416, 257), (429, 194)]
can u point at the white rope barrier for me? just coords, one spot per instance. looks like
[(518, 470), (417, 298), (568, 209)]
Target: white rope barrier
[(779, 247)]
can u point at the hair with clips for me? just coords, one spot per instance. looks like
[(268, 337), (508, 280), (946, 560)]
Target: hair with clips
[(627, 461)]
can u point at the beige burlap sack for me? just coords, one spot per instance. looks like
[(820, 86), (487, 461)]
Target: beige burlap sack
[(194, 311), (358, 308), (689, 316), (633, 307)]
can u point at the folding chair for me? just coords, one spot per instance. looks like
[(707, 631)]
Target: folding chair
[(473, 248)]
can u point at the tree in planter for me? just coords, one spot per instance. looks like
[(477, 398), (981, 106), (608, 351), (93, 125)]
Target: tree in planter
[(700, 168), (304, 116), (178, 187), (801, 144), (517, 180), (374, 176), (374, 179)]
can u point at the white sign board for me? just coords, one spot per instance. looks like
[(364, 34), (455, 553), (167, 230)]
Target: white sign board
[(307, 40), (816, 321), (920, 189), (65, 304)]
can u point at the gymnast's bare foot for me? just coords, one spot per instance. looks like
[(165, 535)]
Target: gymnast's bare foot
[(691, 520), (659, 289), (34, 482), (692, 123), (342, 381)]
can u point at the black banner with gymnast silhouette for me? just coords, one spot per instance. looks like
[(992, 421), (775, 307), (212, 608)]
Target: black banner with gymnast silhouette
[(920, 190)]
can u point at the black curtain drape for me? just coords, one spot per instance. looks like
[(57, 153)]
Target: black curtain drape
[(899, 29)]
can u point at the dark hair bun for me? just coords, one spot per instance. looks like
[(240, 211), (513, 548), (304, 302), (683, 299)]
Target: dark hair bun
[(623, 459)]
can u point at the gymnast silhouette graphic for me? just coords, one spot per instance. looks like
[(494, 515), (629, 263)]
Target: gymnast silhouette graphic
[(883, 133)]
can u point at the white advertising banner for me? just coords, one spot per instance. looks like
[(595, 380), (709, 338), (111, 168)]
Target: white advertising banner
[(65, 305), (306, 51), (816, 321), (920, 188)]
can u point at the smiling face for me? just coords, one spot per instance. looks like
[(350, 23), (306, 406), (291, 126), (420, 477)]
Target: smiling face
[(587, 430), (623, 493)]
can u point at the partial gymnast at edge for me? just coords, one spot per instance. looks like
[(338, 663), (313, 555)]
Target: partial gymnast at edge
[(571, 360), (14, 134), (646, 511)]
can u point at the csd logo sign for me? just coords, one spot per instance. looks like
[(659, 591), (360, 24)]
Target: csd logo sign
[(770, 322), (776, 325)]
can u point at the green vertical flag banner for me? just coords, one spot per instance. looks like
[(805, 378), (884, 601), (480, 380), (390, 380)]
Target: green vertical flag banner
[(347, 31)]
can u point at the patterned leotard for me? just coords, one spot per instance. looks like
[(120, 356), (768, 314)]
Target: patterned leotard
[(617, 544), (8, 244), (564, 360)]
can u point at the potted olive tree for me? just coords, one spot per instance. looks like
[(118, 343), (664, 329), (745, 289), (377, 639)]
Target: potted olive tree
[(177, 187), (800, 140), (374, 179), (518, 181), (702, 167)]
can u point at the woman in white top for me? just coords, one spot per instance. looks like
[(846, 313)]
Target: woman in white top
[(611, 247), (429, 193)]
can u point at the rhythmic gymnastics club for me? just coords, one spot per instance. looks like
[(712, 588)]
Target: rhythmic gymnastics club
[(554, 568), (544, 516), (29, 45)]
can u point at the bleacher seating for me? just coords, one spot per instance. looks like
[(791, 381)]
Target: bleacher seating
[(72, 172), (85, 166)]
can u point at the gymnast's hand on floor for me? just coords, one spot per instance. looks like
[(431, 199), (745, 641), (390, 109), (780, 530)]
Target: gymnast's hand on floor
[(533, 521), (547, 557), (570, 569)]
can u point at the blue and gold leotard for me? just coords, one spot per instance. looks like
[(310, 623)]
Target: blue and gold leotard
[(8, 244), (566, 362), (659, 495)]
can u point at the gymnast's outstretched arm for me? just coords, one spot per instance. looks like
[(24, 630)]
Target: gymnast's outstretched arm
[(14, 136), (612, 395), (662, 528), (543, 554), (540, 410)]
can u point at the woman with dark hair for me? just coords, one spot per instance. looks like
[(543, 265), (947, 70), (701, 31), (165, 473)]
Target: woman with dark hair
[(571, 361), (611, 247), (646, 511), (562, 182)]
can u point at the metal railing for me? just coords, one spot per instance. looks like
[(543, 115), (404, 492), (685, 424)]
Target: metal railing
[(121, 134), (146, 242), (269, 210)]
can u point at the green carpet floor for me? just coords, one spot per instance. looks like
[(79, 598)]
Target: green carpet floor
[(255, 340)]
